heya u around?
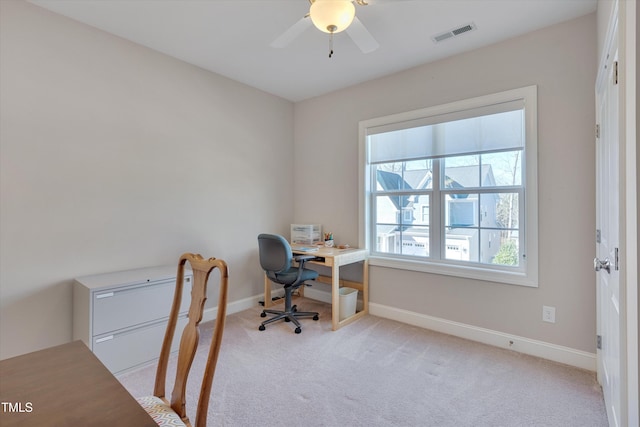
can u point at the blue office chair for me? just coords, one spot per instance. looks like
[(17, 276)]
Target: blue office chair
[(275, 260)]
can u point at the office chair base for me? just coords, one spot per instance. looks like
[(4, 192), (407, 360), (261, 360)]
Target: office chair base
[(288, 316)]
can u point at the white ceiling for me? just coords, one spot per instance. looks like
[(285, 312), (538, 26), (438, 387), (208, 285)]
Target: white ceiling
[(232, 37)]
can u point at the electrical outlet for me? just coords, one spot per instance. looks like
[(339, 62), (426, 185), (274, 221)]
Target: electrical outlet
[(549, 314)]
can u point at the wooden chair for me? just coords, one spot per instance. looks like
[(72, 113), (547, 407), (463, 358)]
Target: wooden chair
[(173, 412)]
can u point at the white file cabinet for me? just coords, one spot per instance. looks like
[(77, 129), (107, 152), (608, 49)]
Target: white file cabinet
[(122, 316)]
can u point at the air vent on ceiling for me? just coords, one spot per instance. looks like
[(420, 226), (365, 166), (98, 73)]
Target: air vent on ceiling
[(454, 33)]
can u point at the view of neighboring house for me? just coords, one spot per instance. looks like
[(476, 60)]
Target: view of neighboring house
[(472, 229)]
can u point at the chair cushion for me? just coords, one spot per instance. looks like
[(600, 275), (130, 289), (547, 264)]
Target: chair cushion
[(160, 411), (287, 277)]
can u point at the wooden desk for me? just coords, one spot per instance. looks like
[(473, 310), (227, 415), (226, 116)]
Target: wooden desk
[(335, 258), (65, 386)]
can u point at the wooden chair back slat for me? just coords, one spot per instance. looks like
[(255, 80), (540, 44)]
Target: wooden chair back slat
[(191, 334)]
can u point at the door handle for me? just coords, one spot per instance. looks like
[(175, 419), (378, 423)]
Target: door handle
[(602, 265)]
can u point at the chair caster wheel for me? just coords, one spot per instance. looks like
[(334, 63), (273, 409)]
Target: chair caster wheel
[(261, 328), (286, 319), (298, 330), (263, 314), (316, 317), (294, 308)]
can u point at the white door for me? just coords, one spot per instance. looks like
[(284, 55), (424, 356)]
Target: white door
[(607, 237)]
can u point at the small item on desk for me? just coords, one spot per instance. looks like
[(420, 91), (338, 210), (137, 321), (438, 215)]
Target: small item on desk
[(328, 240), (343, 246), (306, 248)]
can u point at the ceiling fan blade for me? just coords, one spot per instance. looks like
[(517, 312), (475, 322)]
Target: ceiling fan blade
[(292, 33), (361, 36)]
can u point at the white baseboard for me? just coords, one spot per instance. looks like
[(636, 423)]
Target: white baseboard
[(545, 350), (232, 307), (317, 295), (557, 353)]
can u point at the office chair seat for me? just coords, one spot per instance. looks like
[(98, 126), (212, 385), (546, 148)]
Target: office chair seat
[(291, 274), (276, 261)]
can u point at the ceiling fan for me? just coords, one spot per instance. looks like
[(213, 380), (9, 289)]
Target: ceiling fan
[(331, 16)]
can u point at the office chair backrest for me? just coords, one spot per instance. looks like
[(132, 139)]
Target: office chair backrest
[(275, 253), (189, 341)]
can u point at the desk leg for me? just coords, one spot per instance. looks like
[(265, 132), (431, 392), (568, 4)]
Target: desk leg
[(267, 292), (335, 297)]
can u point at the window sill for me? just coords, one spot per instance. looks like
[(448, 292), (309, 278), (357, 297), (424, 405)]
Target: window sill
[(467, 272)]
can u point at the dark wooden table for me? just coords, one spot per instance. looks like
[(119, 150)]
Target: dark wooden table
[(65, 386)]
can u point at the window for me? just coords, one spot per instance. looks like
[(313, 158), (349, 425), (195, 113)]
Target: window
[(452, 189)]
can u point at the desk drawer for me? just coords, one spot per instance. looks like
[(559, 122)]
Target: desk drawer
[(119, 308), (134, 347)]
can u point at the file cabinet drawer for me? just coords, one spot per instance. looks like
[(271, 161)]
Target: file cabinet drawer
[(120, 308), (134, 347)]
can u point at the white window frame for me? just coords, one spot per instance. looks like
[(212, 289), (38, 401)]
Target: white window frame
[(527, 274)]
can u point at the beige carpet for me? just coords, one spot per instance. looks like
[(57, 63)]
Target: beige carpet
[(378, 372)]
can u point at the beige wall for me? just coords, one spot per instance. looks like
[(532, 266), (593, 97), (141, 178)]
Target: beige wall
[(114, 157), (561, 60)]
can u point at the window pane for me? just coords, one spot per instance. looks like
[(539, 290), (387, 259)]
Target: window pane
[(489, 245), (461, 244), (461, 172), (389, 177), (388, 209), (415, 241), (406, 209), (508, 252), (499, 210), (401, 176), (500, 169), (420, 209), (419, 174), (412, 241), (461, 210), (387, 239)]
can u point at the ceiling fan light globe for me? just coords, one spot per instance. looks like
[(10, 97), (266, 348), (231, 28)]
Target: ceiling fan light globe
[(332, 16)]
